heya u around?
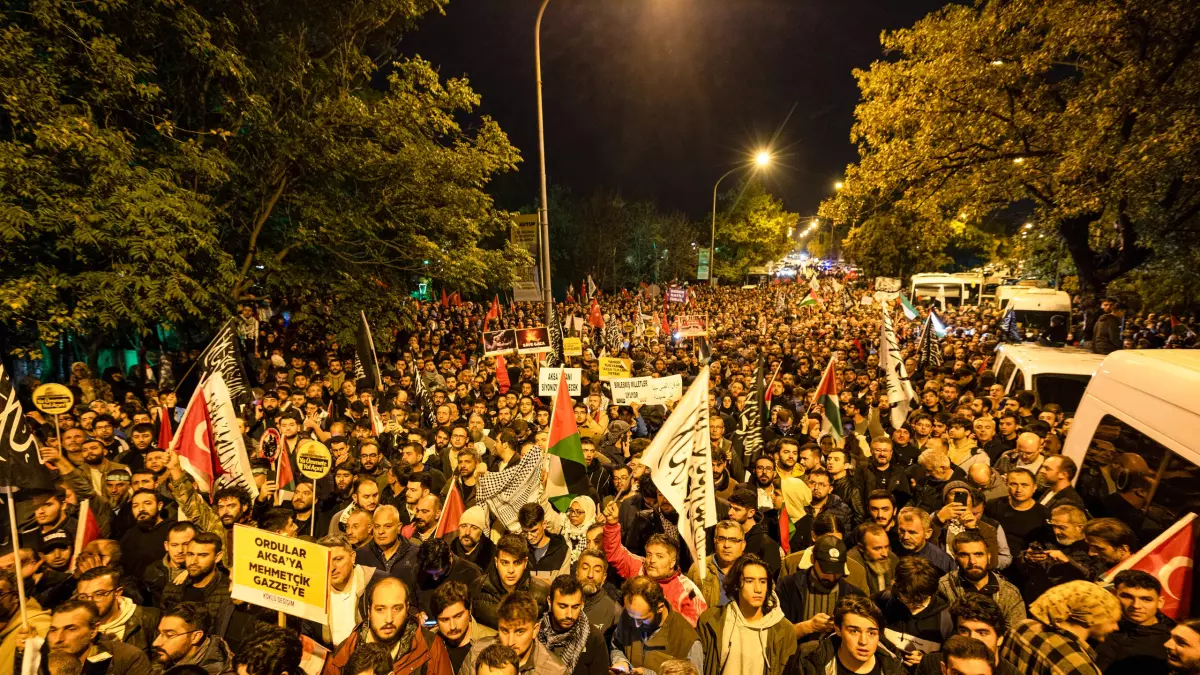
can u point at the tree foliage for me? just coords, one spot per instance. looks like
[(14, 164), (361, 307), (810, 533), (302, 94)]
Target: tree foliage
[(620, 243), (162, 161), (752, 230), (1085, 109)]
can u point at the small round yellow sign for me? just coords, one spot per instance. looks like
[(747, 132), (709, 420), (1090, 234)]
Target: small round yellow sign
[(53, 399), (313, 460)]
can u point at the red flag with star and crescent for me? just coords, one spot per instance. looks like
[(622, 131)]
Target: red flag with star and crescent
[(1169, 558)]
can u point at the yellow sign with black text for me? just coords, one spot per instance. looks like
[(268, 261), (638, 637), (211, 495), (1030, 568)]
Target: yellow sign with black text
[(572, 347), (614, 368), (281, 573)]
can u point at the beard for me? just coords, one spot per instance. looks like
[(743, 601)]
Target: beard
[(590, 589), (974, 573)]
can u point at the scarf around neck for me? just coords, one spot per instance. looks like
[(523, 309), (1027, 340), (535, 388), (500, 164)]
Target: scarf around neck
[(567, 645)]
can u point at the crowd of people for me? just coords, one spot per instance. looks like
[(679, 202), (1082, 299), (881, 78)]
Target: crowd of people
[(956, 542)]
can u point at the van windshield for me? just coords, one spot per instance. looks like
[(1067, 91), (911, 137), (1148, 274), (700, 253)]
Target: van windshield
[(1065, 390)]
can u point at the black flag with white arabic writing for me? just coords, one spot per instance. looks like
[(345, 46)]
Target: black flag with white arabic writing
[(224, 355), (365, 357), (20, 467), (556, 357)]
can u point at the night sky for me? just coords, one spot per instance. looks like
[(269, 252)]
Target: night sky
[(658, 98)]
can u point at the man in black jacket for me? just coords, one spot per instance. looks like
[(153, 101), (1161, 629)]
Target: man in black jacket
[(1107, 336), (566, 632), (548, 552), (204, 580), (881, 473), (809, 596), (1138, 644), (142, 546), (743, 510)]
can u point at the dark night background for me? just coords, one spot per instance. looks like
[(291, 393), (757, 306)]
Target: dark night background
[(658, 98)]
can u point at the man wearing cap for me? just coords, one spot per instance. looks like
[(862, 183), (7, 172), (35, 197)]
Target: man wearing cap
[(808, 596), (55, 555), (469, 541), (117, 484)]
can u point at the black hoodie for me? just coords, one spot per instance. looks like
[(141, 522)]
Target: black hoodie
[(1135, 649), (932, 623)]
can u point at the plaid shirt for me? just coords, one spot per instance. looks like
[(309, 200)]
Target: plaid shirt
[(1037, 649)]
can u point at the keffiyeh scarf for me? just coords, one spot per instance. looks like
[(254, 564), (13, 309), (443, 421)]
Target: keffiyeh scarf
[(566, 645)]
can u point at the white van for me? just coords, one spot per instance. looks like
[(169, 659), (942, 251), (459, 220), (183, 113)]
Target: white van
[(1054, 374), (1036, 306), (1145, 402), (956, 289)]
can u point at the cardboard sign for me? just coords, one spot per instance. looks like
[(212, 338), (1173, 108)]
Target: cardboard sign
[(281, 573), (313, 459), (663, 389), (676, 295), (614, 369), (533, 340), (572, 347), (548, 381), (693, 325), (630, 390), (499, 342), (53, 399), (647, 390)]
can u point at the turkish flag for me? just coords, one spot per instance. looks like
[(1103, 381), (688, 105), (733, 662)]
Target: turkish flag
[(1169, 558), (595, 317), (164, 427), (451, 512), (87, 530), (193, 443), (502, 375)]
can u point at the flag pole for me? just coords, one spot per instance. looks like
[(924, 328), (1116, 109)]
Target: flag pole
[(312, 520), (12, 523)]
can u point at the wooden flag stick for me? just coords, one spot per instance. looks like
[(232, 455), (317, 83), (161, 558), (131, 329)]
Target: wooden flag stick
[(12, 522)]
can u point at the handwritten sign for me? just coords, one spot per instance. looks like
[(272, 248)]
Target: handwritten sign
[(572, 347)]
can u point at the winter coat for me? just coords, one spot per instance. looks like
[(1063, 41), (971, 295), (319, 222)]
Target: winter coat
[(710, 585), (822, 658), (1135, 649), (402, 564), (1107, 336), (556, 560), (932, 623), (544, 662), (426, 656), (487, 596), (999, 589), (213, 655), (216, 594), (674, 639), (775, 634)]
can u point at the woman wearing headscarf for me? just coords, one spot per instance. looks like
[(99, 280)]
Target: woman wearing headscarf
[(574, 525)]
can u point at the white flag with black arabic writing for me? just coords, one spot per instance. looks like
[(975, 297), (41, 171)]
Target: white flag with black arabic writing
[(680, 463)]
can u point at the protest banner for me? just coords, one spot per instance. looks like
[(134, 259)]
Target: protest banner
[(676, 294), (281, 573), (692, 325), (548, 381), (887, 284), (612, 368), (572, 347), (630, 390), (53, 399), (499, 342), (533, 340), (663, 389)]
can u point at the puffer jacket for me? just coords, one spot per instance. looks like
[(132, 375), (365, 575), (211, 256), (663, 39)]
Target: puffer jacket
[(487, 596), (822, 659)]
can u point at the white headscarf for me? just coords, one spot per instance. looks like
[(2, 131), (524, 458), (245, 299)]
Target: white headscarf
[(576, 536)]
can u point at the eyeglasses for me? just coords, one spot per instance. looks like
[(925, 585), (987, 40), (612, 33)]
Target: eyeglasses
[(576, 512), (730, 540), (95, 596), (171, 635)]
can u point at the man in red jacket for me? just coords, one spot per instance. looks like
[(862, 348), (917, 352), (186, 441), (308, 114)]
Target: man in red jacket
[(389, 623)]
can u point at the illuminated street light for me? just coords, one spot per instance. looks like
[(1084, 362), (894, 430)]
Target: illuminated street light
[(1029, 226), (814, 222), (838, 185), (761, 159)]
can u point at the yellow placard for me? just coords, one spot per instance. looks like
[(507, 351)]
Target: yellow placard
[(572, 347), (313, 459), (613, 368), (53, 399), (281, 573)]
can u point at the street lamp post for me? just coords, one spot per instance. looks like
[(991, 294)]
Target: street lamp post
[(761, 159), (544, 211)]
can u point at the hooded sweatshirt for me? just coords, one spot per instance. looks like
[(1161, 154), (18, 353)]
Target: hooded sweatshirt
[(116, 628), (744, 644)]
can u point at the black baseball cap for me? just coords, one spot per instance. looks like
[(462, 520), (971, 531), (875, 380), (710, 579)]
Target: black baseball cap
[(830, 552)]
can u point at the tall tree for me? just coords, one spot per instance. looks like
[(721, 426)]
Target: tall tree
[(1084, 108), (752, 230), (165, 161)]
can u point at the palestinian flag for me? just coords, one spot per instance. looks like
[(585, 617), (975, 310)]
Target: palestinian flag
[(827, 396), (810, 300), (910, 312), (568, 472), (285, 477)]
